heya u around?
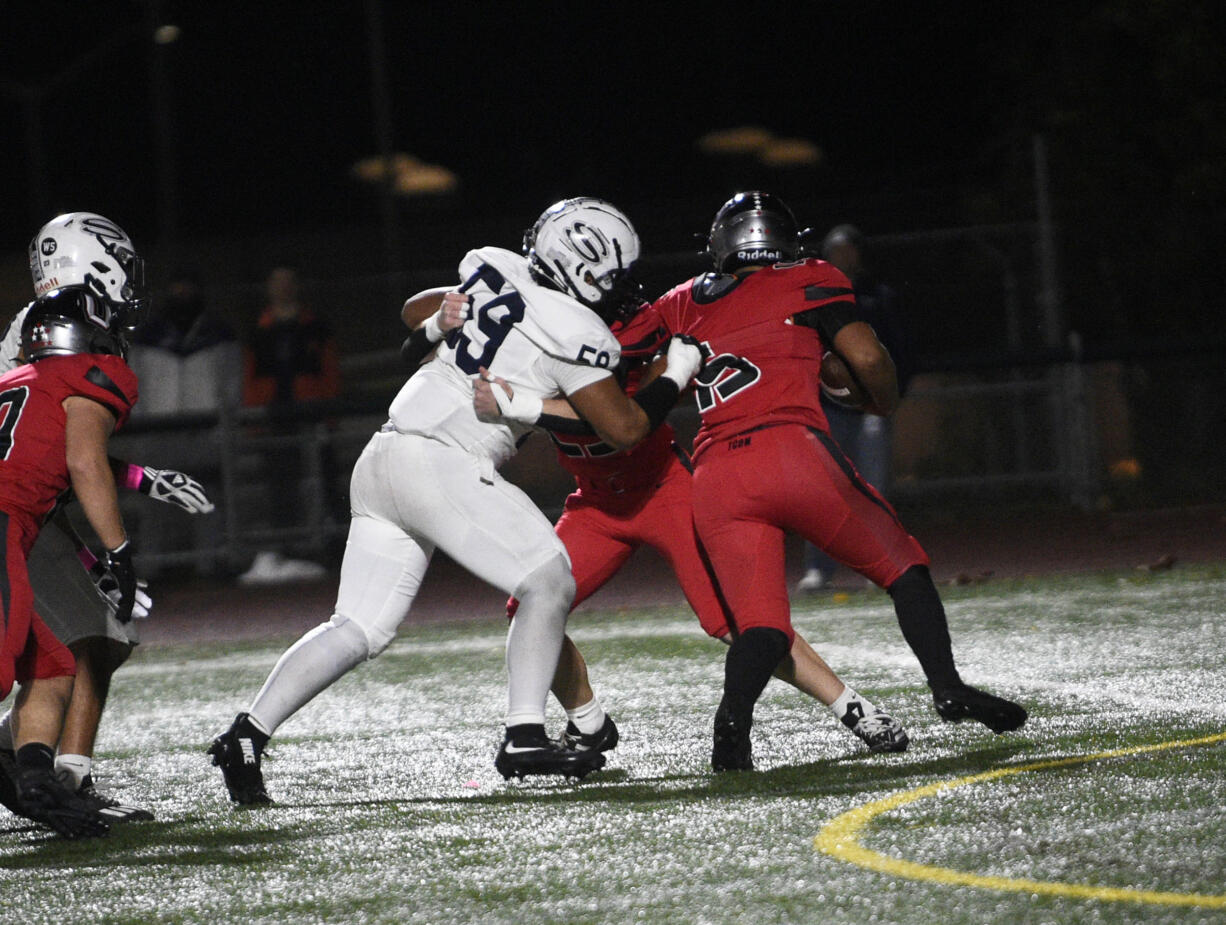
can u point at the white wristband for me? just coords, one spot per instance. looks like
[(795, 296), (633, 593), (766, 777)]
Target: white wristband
[(522, 407), (434, 332)]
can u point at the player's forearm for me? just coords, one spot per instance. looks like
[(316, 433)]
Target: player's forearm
[(417, 308), (872, 366), (87, 430), (93, 484), (880, 381)]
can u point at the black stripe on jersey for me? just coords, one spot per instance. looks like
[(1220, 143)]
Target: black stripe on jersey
[(647, 344), (821, 293), (827, 320), (97, 377), (849, 470), (684, 457), (6, 594)]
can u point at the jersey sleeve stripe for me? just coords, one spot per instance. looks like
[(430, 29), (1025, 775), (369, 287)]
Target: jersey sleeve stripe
[(822, 293), (96, 376)]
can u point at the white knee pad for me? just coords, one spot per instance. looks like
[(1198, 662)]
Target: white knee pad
[(352, 641), (549, 586)]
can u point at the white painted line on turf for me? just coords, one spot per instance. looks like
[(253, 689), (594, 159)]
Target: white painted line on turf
[(840, 838)]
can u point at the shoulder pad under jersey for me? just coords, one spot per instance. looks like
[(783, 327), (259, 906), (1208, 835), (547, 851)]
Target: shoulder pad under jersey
[(711, 286)]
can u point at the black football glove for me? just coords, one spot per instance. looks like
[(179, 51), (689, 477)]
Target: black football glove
[(119, 568)]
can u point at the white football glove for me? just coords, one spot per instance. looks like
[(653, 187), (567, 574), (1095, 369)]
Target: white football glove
[(685, 358), (176, 488)]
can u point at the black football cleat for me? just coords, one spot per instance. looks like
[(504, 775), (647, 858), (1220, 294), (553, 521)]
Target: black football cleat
[(237, 752), (954, 704), (108, 808), (603, 739), (42, 796), (525, 753), (8, 781), (731, 750)]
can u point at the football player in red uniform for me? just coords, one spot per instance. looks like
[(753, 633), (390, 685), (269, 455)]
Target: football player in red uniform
[(56, 417), (641, 496), (86, 250), (765, 464)]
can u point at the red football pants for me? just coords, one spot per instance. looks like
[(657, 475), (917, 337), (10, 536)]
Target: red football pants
[(601, 531), (748, 492), (28, 649)]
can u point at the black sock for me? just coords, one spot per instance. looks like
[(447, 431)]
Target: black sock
[(35, 755), (752, 659), (526, 734), (922, 619)]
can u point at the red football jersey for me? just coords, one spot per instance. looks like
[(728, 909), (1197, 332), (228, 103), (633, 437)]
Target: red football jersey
[(33, 468), (596, 466), (764, 368)]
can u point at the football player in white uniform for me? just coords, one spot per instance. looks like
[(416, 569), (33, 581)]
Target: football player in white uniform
[(428, 479), (78, 604)]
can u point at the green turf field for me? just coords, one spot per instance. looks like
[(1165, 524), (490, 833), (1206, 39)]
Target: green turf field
[(390, 809)]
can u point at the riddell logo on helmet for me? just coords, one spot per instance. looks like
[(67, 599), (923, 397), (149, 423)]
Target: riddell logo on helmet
[(760, 253), (46, 285)]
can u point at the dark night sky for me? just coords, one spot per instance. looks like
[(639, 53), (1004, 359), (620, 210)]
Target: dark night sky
[(271, 101)]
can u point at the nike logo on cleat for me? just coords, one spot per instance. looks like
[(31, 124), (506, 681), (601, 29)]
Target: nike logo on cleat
[(248, 748)]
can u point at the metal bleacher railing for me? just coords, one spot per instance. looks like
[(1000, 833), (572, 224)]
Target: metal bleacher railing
[(1001, 408)]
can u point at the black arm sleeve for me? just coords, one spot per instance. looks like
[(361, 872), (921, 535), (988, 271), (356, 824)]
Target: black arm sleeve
[(575, 427), (828, 319), (657, 399), (416, 347)]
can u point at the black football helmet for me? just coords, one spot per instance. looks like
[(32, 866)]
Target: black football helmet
[(68, 321), (752, 228)]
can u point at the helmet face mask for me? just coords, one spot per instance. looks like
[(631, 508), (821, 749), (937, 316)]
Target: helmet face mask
[(586, 248), (69, 321), (88, 251), (752, 228)]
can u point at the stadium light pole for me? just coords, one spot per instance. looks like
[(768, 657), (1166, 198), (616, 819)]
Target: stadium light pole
[(163, 36), (381, 101)]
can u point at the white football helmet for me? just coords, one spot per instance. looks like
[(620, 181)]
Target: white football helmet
[(87, 251), (586, 248)]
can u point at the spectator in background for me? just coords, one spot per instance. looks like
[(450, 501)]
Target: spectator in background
[(188, 357), (291, 359), (865, 438), (189, 362)]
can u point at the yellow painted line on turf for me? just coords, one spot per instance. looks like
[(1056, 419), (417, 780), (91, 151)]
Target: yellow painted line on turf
[(840, 838)]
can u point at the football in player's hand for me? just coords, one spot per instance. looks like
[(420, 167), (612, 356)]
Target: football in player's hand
[(838, 384)]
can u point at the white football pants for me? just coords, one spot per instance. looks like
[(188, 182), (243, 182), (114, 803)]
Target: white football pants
[(409, 496)]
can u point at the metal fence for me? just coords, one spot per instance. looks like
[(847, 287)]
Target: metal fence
[(1002, 403)]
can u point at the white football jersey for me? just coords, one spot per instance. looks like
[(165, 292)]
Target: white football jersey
[(10, 344), (539, 340)]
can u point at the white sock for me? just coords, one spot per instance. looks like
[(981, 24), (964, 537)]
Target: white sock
[(6, 732), (77, 767), (850, 704), (588, 718)]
